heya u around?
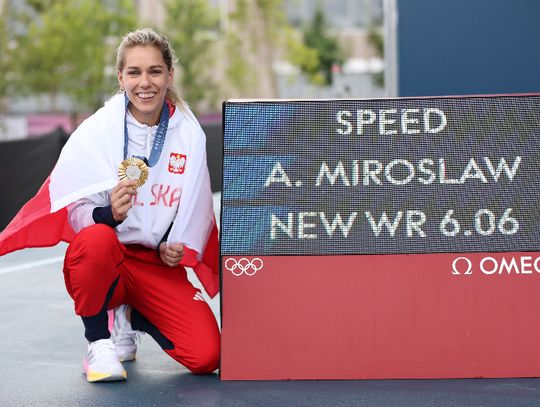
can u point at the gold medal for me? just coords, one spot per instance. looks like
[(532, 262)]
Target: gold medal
[(134, 169)]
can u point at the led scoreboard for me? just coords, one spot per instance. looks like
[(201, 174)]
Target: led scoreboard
[(390, 238)]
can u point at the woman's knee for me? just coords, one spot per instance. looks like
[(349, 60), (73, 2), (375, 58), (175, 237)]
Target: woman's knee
[(207, 362), (202, 360), (94, 252), (94, 244), (96, 236)]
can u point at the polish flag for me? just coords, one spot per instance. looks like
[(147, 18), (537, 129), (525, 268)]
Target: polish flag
[(88, 165), (35, 225)]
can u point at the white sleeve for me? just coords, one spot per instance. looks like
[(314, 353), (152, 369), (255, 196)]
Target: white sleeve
[(80, 212)]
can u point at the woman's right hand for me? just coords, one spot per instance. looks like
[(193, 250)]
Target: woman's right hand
[(121, 198)]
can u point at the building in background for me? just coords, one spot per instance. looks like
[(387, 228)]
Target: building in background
[(353, 22), (350, 21)]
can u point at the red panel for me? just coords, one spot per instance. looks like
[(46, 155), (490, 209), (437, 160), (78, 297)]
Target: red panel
[(381, 316)]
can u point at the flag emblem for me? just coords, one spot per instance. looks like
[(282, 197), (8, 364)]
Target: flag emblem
[(177, 163)]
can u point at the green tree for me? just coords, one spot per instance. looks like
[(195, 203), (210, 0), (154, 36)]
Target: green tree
[(5, 58), (328, 50), (260, 29), (192, 27), (376, 39), (68, 45)]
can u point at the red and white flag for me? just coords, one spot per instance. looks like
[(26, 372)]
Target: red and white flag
[(88, 165)]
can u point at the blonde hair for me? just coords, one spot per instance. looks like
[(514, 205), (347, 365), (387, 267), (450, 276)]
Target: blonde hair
[(147, 36)]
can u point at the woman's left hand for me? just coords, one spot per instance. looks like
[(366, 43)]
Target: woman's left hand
[(171, 254)]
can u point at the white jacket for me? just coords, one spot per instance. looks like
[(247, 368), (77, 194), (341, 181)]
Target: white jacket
[(176, 190)]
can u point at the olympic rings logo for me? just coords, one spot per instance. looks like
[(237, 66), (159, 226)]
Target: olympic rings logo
[(243, 266)]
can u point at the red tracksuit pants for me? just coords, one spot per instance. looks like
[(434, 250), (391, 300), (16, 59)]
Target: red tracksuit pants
[(95, 260)]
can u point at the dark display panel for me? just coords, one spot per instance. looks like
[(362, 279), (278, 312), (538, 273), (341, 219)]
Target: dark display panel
[(381, 176)]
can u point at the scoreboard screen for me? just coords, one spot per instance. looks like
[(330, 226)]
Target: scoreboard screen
[(381, 176), (385, 238)]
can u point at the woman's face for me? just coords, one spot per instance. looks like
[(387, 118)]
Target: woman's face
[(145, 78)]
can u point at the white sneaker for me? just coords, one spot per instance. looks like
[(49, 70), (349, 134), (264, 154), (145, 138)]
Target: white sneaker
[(123, 335), (101, 363)]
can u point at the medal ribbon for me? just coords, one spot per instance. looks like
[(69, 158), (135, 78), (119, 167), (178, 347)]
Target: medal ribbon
[(159, 140)]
